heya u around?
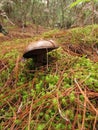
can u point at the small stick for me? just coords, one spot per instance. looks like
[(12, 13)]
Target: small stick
[(19, 109), (60, 112), (86, 98), (30, 115), (83, 120), (95, 122)]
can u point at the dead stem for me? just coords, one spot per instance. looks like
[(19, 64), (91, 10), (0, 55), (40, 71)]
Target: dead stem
[(84, 112), (38, 111), (60, 112), (95, 122), (16, 69), (19, 108), (30, 112), (49, 128), (14, 115), (86, 98), (77, 111)]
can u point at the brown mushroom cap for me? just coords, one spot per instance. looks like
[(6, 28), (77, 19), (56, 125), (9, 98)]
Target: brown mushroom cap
[(39, 47)]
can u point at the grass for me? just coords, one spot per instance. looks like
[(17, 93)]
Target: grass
[(62, 97)]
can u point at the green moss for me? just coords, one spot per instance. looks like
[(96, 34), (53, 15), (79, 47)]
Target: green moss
[(41, 94)]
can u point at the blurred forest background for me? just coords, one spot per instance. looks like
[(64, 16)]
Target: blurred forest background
[(49, 13)]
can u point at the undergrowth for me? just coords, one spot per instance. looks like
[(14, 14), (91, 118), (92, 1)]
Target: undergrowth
[(81, 35), (60, 96)]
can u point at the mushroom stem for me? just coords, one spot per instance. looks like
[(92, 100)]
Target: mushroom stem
[(40, 60), (47, 58)]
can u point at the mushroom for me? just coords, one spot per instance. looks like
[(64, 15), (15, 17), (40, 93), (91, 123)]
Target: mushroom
[(38, 51)]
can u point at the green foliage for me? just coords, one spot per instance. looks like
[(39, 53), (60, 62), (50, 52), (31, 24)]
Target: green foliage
[(52, 79), (40, 126), (17, 122), (55, 14), (50, 33), (72, 97), (86, 35), (88, 73), (59, 126), (77, 2), (39, 86)]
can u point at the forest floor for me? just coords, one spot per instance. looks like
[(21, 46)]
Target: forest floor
[(62, 95), (73, 49), (18, 32)]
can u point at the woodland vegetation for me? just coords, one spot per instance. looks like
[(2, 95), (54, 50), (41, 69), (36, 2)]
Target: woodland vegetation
[(63, 94), (50, 13)]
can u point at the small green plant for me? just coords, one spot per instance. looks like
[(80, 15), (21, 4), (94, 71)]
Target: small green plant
[(40, 127)]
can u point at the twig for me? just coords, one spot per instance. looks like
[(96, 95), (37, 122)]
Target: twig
[(83, 120), (30, 115), (58, 86), (86, 98), (95, 121), (51, 120), (86, 78), (4, 15), (2, 66), (3, 69), (19, 109), (14, 115), (60, 112), (16, 69)]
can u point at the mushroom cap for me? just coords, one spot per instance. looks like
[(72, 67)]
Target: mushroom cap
[(39, 47)]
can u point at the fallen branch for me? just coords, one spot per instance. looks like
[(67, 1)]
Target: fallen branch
[(4, 15)]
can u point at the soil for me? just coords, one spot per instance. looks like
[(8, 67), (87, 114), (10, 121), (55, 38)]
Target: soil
[(30, 31)]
